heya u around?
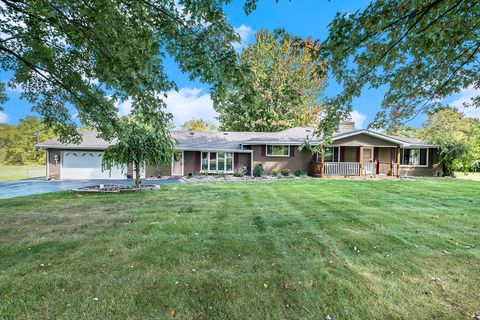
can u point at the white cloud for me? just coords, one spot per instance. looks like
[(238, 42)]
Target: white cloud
[(3, 117), (359, 118), (124, 107), (190, 103), (245, 32), (465, 96)]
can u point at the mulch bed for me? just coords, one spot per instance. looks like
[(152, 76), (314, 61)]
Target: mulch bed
[(115, 188)]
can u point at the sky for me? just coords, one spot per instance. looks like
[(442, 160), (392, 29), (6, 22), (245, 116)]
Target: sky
[(299, 17)]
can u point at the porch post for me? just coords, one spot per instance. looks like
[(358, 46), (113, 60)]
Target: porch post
[(360, 166), (322, 162), (398, 162)]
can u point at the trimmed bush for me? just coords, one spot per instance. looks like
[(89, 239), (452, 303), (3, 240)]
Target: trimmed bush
[(275, 172), (258, 170), (238, 173), (285, 172), (300, 173)]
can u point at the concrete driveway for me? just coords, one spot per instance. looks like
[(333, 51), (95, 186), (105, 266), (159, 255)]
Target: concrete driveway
[(19, 188)]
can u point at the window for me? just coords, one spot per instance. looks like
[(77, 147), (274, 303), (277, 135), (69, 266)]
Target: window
[(213, 161), (414, 157), (278, 151), (204, 161), (217, 161), (332, 154)]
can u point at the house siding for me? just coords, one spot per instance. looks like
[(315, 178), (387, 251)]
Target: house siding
[(436, 169), (363, 140), (301, 160)]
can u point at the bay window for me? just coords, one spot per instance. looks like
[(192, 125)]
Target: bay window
[(414, 157), (278, 151), (217, 162)]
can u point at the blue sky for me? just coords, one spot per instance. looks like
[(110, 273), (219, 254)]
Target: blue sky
[(299, 17)]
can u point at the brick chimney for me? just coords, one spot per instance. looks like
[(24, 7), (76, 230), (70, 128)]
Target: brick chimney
[(346, 125)]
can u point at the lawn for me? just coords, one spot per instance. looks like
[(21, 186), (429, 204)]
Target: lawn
[(351, 249), (10, 173)]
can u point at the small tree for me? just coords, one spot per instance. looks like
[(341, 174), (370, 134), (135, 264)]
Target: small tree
[(450, 130), (140, 142), (198, 125)]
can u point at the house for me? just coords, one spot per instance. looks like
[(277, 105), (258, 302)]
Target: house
[(353, 152)]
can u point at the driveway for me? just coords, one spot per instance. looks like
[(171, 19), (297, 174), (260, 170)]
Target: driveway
[(19, 188)]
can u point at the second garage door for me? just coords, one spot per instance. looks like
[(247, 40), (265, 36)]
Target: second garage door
[(87, 165)]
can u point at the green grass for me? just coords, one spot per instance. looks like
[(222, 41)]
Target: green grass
[(351, 249), (10, 173)]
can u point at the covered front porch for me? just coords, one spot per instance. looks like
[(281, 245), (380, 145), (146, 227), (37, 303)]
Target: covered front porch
[(346, 161)]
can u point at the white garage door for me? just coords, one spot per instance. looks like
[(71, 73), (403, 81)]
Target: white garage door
[(87, 165)]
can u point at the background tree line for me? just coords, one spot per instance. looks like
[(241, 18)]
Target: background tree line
[(457, 136), (17, 143)]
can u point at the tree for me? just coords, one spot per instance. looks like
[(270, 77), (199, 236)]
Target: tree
[(404, 131), (450, 130), (21, 139), (92, 54), (420, 50), (281, 87), (198, 125), (141, 141)]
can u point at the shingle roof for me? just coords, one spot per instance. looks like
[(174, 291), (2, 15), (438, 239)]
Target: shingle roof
[(217, 140)]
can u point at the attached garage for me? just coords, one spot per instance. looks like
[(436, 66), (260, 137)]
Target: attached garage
[(79, 164)]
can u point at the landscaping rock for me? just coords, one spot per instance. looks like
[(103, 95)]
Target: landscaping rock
[(115, 188)]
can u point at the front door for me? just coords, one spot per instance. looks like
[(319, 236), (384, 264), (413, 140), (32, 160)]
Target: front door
[(367, 160), (177, 164)]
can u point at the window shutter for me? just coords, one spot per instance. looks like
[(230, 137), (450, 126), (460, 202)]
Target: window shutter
[(292, 151), (342, 154), (358, 154), (235, 160), (393, 153), (264, 150), (197, 161), (314, 157), (375, 158), (431, 153), (335, 154)]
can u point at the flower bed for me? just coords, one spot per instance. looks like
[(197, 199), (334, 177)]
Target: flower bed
[(231, 178), (115, 188)]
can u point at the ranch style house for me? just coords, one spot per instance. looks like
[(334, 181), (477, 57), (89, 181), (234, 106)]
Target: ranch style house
[(353, 152)]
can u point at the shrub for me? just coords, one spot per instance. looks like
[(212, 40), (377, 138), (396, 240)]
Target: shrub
[(285, 172), (258, 170), (275, 172), (238, 173), (300, 173)]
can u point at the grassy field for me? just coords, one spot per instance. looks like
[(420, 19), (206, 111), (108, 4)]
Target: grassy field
[(10, 173), (385, 249)]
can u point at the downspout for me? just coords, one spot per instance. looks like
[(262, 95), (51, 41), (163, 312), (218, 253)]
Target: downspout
[(47, 163)]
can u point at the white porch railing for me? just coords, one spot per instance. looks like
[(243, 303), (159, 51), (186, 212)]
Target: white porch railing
[(342, 168), (353, 168)]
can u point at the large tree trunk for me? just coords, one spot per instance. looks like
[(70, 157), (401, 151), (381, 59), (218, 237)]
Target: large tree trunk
[(137, 174)]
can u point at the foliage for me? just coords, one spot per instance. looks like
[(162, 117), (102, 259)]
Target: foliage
[(198, 125), (404, 131), (281, 87), (238, 173), (450, 130), (275, 172), (258, 171), (285, 172), (420, 50), (140, 142), (91, 55), (17, 143), (300, 173)]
